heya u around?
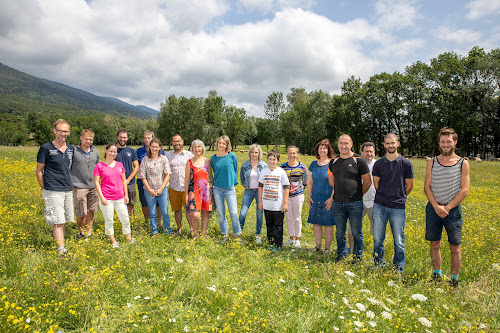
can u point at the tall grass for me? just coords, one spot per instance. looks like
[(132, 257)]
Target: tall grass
[(174, 284)]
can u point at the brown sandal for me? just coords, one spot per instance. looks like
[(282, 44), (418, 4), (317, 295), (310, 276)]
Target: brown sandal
[(315, 249)]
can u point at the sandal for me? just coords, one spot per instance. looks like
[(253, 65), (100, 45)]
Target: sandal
[(327, 252), (315, 249)]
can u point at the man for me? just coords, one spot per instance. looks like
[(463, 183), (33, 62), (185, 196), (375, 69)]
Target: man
[(368, 154), (350, 178), (393, 181), (128, 157), (53, 174), (141, 152), (85, 158), (176, 191), (446, 186)]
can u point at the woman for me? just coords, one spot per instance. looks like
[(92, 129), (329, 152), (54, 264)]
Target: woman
[(223, 173), (249, 177), (198, 189), (321, 196), (111, 185), (155, 174), (297, 175)]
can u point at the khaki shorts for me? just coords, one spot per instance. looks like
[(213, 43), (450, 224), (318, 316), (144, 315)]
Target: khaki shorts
[(85, 201), (177, 199), (58, 207), (132, 194)]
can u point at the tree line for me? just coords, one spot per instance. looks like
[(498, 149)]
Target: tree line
[(450, 90)]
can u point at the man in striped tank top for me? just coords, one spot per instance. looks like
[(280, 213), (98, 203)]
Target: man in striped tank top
[(446, 186)]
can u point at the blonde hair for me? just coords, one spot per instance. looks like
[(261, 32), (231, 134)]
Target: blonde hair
[(61, 121), (257, 147), (227, 140)]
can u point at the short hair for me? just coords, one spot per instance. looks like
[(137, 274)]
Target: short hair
[(148, 133), (327, 144), (122, 131), (257, 147), (61, 121), (198, 142), (391, 135), (448, 131), (367, 144), (293, 147), (274, 153), (87, 131), (227, 140), (180, 136), (345, 134), (111, 144), (155, 140)]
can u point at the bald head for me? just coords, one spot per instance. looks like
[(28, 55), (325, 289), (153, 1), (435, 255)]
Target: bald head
[(345, 145)]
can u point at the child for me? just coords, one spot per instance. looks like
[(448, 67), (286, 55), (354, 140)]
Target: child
[(297, 175), (274, 188)]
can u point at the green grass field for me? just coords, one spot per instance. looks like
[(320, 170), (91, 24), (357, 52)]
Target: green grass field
[(177, 285)]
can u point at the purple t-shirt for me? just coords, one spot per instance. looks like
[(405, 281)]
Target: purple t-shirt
[(111, 180)]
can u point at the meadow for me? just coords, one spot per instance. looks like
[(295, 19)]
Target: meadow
[(167, 284)]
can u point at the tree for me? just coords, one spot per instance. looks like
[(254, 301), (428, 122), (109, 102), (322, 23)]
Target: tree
[(274, 108)]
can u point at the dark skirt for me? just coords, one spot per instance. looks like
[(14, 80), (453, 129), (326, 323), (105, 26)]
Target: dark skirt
[(319, 215)]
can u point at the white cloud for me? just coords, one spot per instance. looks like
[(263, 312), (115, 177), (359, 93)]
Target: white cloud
[(396, 14), (268, 6), (480, 8), (458, 36)]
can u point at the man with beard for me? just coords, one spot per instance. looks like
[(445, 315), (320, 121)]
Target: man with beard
[(178, 159), (393, 181), (128, 157), (85, 158), (446, 186)]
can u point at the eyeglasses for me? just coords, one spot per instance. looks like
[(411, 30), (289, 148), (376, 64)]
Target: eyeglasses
[(64, 132)]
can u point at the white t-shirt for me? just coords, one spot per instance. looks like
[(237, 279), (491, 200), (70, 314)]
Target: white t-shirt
[(254, 180), (272, 190), (369, 196)]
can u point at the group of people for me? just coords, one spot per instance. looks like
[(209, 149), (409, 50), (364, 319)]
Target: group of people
[(340, 189)]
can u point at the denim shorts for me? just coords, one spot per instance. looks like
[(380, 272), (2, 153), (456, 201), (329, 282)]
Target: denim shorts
[(319, 215), (452, 223)]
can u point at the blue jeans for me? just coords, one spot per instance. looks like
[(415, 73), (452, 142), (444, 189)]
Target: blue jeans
[(354, 212), (397, 220), (230, 195), (161, 200), (248, 197)]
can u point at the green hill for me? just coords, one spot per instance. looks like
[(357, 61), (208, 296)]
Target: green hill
[(21, 93)]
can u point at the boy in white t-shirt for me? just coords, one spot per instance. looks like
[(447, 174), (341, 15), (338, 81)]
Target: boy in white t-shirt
[(274, 188)]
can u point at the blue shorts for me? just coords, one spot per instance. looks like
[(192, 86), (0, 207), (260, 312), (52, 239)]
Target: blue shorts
[(452, 223), (142, 196), (319, 215)]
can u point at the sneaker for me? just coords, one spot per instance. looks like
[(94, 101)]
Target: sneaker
[(238, 241), (290, 242), (115, 245), (169, 233), (453, 283), (132, 240), (379, 263), (436, 278), (80, 236), (178, 232), (339, 259), (61, 252), (355, 260), (224, 238), (258, 240), (297, 244)]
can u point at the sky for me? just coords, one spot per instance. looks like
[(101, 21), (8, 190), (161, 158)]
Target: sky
[(142, 51)]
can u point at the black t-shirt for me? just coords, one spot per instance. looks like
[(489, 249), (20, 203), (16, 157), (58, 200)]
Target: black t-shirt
[(347, 172), (56, 173)]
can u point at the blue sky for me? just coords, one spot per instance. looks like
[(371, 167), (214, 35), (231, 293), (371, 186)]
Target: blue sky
[(142, 51)]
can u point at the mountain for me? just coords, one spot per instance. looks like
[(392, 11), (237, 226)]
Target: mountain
[(19, 87)]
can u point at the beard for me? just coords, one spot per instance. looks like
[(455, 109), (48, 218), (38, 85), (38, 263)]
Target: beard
[(447, 153)]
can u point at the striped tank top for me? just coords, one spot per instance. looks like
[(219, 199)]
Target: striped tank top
[(445, 181)]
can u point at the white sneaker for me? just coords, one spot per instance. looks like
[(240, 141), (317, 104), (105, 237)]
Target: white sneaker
[(290, 242), (258, 240), (297, 244), (132, 240), (115, 245)]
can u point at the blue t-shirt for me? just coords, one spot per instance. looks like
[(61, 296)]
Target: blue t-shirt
[(225, 169), (127, 156), (141, 152), (56, 173), (391, 191), (322, 190)]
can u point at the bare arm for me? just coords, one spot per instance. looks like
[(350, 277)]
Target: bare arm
[(409, 185), (135, 165), (375, 182), (97, 181), (440, 211), (367, 182), (125, 189), (210, 173), (286, 193), (187, 175), (39, 173), (310, 189), (261, 206)]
